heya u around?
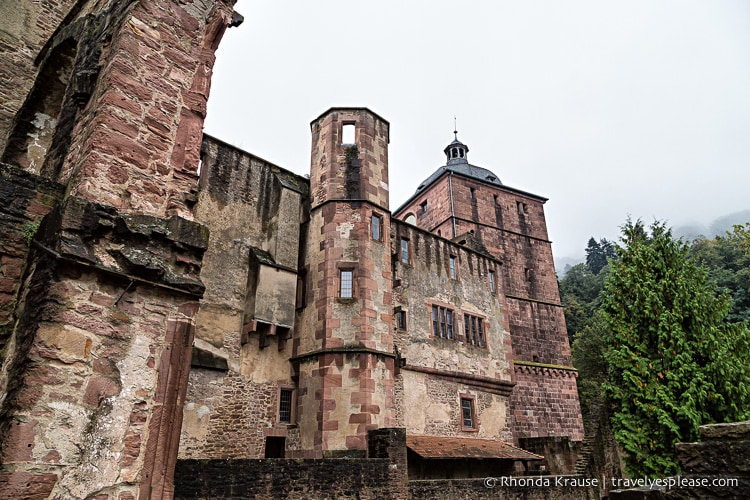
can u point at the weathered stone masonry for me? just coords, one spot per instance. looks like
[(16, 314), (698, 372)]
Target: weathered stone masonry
[(106, 124)]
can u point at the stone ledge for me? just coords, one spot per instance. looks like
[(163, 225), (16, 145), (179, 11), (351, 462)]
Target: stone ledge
[(143, 248)]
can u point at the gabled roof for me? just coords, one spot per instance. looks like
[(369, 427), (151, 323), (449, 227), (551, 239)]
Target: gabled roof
[(456, 447)]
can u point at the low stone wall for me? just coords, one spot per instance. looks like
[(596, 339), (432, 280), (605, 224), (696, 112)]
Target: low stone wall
[(716, 467), (383, 475)]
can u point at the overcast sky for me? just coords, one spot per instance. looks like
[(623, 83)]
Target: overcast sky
[(608, 109)]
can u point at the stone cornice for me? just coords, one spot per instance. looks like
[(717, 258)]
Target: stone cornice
[(486, 384)]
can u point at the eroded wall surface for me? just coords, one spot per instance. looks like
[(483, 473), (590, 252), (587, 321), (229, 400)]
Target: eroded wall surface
[(95, 364), (254, 211)]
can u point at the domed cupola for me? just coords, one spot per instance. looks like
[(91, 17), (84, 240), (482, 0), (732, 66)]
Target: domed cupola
[(456, 151)]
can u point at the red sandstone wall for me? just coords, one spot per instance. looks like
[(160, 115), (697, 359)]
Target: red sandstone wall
[(104, 324), (545, 403)]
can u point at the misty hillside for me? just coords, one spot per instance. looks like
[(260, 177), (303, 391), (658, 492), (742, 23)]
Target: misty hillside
[(688, 232)]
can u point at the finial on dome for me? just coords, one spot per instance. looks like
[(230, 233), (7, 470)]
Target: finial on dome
[(455, 128)]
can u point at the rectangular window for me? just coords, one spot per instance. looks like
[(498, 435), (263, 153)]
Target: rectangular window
[(471, 193), (468, 419), (452, 262), (404, 250), (286, 400), (377, 227), (423, 205), (401, 320), (474, 330), (492, 281), (442, 322), (347, 281)]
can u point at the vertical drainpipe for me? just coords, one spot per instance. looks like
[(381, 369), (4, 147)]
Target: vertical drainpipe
[(450, 192)]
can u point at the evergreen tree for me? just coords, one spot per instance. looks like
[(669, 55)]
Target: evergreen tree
[(597, 254), (673, 363)]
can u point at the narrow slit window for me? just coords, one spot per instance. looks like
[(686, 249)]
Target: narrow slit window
[(401, 320), (377, 227), (404, 250), (452, 262), (347, 133), (492, 281)]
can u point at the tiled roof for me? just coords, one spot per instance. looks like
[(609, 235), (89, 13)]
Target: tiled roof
[(456, 447)]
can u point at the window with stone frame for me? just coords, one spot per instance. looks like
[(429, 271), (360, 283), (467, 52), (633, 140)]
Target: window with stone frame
[(453, 265), (474, 330), (468, 413), (493, 283), (442, 322), (286, 405), (377, 227), (401, 319), (346, 285), (405, 257)]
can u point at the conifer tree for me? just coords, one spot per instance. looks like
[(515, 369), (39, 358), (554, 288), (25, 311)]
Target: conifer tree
[(674, 362)]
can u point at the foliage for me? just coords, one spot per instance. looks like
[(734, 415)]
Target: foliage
[(588, 357), (579, 293), (728, 261), (673, 363), (597, 254), (29, 230)]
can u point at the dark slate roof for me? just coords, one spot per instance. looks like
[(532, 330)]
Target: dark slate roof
[(454, 447), (462, 167)]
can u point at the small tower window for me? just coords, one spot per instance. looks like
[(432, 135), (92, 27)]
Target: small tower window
[(492, 281), (452, 262), (424, 206), (347, 133), (347, 282), (472, 193), (377, 227)]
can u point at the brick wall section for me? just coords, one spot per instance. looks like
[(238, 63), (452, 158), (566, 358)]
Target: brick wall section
[(545, 403), (539, 333), (136, 146)]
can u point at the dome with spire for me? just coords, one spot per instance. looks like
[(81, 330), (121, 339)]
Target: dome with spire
[(457, 162)]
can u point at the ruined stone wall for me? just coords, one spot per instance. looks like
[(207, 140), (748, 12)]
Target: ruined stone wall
[(24, 29), (24, 200), (249, 205), (437, 371), (95, 369)]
